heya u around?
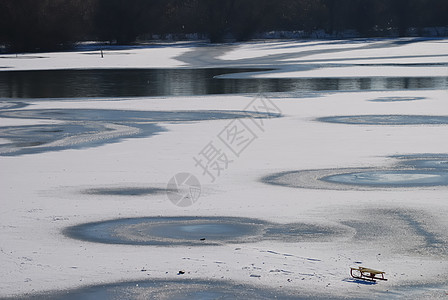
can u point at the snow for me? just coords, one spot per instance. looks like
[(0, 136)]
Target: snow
[(257, 49), (342, 59), (156, 56), (371, 51), (42, 194), (350, 72)]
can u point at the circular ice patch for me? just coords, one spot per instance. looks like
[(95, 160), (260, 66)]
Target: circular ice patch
[(191, 231), (387, 120), (397, 99), (170, 231), (124, 191), (361, 179), (200, 231), (391, 178)]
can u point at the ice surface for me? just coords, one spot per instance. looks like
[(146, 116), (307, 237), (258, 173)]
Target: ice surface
[(402, 231), (170, 289), (387, 120), (394, 178), (94, 127), (397, 99), (199, 231), (429, 163), (424, 173)]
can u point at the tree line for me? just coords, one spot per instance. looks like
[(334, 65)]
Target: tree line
[(39, 25)]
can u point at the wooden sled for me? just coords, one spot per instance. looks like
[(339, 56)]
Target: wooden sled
[(367, 274)]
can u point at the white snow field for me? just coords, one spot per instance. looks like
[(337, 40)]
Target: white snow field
[(402, 230)]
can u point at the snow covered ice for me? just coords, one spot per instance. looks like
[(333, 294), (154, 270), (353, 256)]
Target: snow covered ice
[(277, 220)]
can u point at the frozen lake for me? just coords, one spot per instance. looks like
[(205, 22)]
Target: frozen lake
[(325, 155), (169, 289), (91, 128), (198, 231)]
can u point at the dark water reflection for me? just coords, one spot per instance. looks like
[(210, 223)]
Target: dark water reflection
[(186, 82)]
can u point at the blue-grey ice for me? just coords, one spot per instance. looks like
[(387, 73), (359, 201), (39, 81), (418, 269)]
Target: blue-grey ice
[(199, 231), (391, 178), (396, 99), (387, 120), (412, 171), (82, 128), (428, 163), (184, 288)]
